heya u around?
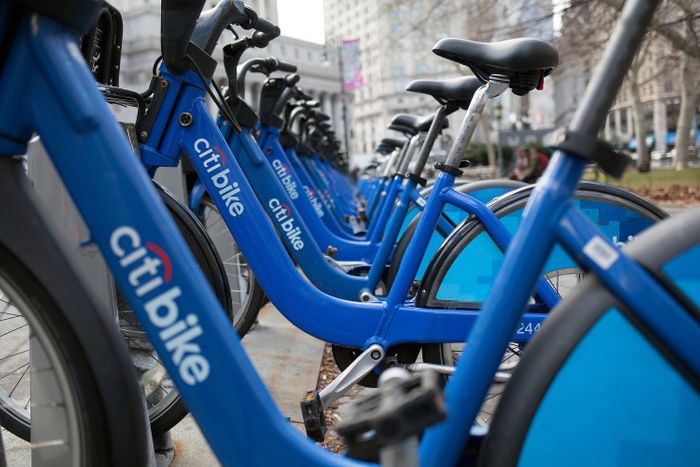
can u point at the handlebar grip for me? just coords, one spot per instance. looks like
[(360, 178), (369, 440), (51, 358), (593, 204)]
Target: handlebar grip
[(286, 67), (178, 18), (273, 64), (260, 24), (266, 27)]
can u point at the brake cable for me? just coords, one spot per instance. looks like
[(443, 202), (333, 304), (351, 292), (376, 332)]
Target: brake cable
[(221, 101)]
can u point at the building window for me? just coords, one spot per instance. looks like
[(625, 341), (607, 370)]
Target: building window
[(623, 120)]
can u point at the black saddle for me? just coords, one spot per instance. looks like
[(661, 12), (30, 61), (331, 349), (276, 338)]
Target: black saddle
[(457, 91), (413, 124), (387, 145), (524, 61)]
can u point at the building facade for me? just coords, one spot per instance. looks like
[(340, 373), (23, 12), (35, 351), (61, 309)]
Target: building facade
[(320, 73), (659, 89), (396, 39)]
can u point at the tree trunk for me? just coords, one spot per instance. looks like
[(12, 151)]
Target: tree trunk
[(643, 163), (689, 97)]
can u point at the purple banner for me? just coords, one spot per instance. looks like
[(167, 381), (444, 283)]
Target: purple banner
[(352, 68)]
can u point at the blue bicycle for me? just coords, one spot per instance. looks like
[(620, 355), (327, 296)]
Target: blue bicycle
[(395, 330), (200, 350)]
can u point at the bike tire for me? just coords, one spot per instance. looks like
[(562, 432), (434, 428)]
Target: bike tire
[(169, 410), (530, 396), (468, 231), (48, 319), (246, 308), (102, 393), (485, 186)]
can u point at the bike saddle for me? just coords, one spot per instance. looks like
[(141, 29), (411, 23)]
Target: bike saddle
[(413, 124), (456, 91), (388, 145), (524, 61)]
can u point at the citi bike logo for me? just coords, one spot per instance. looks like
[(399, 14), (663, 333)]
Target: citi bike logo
[(282, 171), (283, 216), (150, 273), (619, 243), (214, 163), (311, 194)]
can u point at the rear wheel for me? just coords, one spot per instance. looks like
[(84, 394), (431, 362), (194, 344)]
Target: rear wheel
[(165, 407), (575, 372), (57, 386), (246, 294), (604, 205)]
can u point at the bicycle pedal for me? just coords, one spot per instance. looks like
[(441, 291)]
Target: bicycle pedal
[(312, 414), (396, 412)]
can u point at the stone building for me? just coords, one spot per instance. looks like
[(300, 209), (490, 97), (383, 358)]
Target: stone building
[(396, 39)]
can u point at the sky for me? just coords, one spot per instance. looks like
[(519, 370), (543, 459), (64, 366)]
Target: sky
[(302, 19)]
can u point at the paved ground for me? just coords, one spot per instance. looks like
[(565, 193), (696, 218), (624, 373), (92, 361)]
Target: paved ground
[(287, 360)]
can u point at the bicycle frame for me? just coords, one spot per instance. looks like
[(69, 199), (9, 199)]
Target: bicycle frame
[(333, 320)]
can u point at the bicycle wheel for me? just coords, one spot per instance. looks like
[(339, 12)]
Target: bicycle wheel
[(246, 294), (484, 191), (594, 362), (462, 270), (63, 396), (165, 407)]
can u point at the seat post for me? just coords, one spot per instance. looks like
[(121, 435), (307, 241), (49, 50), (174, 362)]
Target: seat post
[(495, 86), (429, 141), (398, 160), (403, 167)]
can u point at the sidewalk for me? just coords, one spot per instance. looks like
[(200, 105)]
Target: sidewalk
[(287, 360)]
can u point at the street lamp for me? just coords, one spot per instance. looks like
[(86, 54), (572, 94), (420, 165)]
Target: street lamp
[(498, 113)]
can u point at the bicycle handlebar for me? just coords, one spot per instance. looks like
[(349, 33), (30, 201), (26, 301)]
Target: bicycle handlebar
[(285, 66), (287, 94), (266, 66), (211, 25), (260, 24)]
